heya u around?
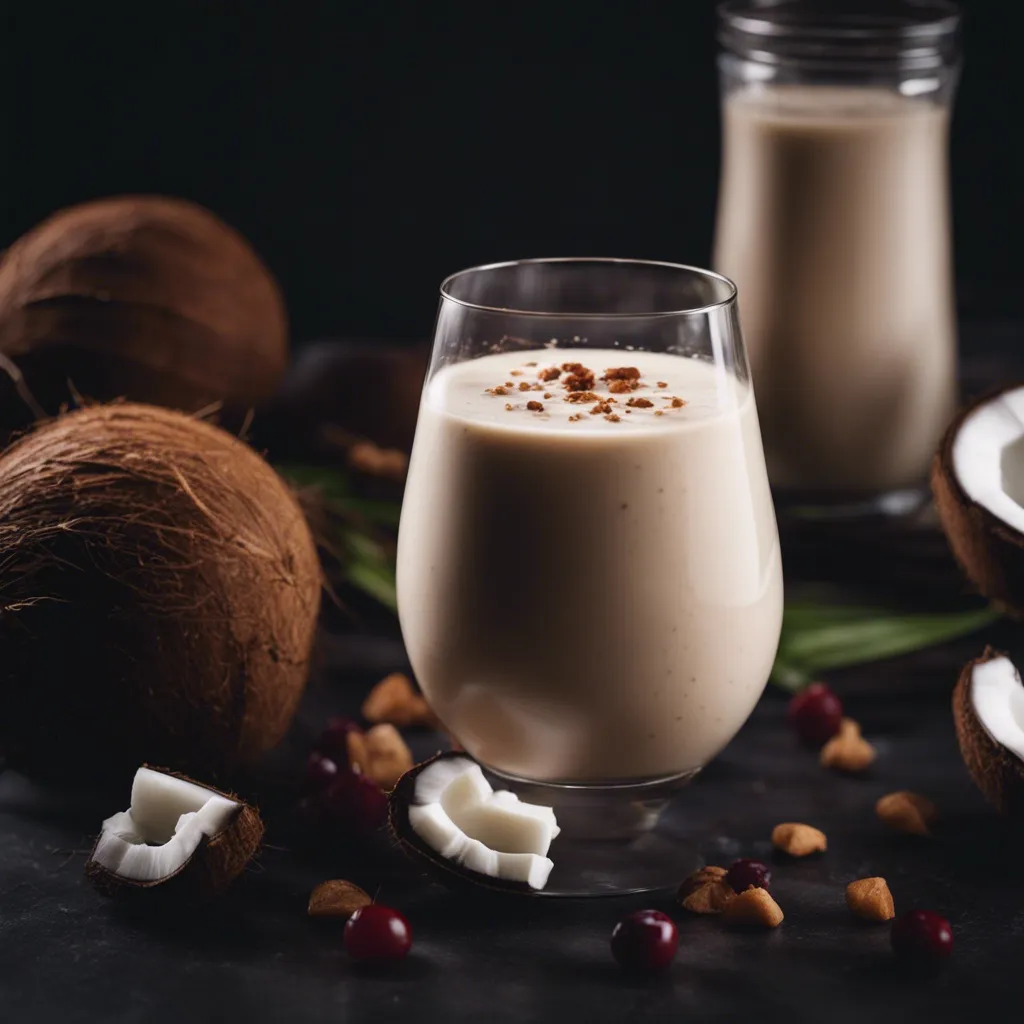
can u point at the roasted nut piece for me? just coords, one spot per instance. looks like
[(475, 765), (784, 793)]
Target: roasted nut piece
[(798, 840), (907, 812), (870, 899), (380, 754), (710, 898), (848, 751), (337, 898), (753, 908), (705, 891), (390, 463), (395, 701), (703, 876)]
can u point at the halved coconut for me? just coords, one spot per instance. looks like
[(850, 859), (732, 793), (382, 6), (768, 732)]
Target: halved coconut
[(988, 709), (178, 835), (978, 483), (446, 815)]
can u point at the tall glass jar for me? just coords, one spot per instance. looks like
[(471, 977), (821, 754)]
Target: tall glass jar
[(834, 222)]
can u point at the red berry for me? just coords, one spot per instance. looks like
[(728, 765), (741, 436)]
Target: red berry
[(920, 938), (320, 772), (815, 714), (355, 804), (376, 934), (645, 942), (748, 874), (333, 742)]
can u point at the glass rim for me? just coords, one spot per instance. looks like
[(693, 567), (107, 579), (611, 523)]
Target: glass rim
[(701, 272), (926, 18)]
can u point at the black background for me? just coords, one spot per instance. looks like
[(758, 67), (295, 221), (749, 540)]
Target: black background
[(368, 149)]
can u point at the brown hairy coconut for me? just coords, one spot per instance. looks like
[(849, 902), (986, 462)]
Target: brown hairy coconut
[(159, 591), (140, 297)]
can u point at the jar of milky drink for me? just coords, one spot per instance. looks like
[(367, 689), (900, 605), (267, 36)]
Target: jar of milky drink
[(834, 222)]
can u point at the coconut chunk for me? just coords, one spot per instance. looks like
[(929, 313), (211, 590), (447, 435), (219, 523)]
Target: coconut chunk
[(171, 821), (988, 457), (454, 812), (163, 827), (997, 696)]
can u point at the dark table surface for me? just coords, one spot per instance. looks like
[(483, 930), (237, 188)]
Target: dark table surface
[(68, 955)]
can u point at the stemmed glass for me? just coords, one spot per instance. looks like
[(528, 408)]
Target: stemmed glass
[(589, 578)]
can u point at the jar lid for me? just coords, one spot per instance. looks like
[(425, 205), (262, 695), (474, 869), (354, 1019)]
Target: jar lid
[(912, 33)]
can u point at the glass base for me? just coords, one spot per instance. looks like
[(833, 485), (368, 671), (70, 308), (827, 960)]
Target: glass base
[(613, 840)]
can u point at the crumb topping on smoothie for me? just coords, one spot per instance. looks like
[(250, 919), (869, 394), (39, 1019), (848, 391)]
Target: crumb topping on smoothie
[(579, 382)]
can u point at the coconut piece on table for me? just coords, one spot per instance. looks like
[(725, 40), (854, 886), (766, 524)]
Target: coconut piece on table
[(988, 711), (978, 482), (447, 816), (178, 835)]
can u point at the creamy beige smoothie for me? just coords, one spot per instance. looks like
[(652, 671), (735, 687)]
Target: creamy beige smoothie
[(590, 585), (833, 221)]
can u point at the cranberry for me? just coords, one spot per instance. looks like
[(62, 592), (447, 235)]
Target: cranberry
[(920, 938), (748, 874), (815, 714), (320, 772), (645, 942), (355, 804), (376, 934), (333, 742)]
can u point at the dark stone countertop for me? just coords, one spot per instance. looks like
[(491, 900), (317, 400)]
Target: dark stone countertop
[(68, 955)]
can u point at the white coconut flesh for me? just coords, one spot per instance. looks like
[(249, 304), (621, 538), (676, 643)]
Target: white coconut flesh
[(458, 815), (997, 696), (988, 457), (162, 829)]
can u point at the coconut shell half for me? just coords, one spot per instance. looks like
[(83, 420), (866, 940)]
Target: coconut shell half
[(996, 771), (432, 863), (214, 865), (989, 549)]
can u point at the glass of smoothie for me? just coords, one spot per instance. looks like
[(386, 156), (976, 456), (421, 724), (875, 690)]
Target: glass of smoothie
[(589, 578), (834, 222)]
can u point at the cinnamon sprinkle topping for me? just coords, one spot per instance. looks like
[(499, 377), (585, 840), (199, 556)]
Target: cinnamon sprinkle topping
[(579, 381)]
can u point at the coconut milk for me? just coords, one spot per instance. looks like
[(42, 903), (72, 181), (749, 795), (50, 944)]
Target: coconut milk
[(833, 222), (589, 599)]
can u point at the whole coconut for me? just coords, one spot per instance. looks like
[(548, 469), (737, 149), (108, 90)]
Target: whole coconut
[(140, 297), (159, 591)]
